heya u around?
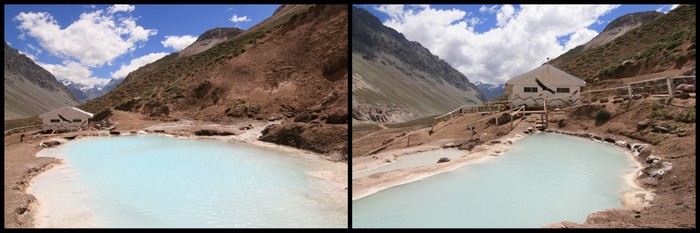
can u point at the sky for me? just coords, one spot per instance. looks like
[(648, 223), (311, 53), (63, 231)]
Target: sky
[(91, 44), (493, 43)]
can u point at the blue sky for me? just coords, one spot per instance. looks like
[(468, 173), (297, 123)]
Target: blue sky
[(91, 44), (493, 43)]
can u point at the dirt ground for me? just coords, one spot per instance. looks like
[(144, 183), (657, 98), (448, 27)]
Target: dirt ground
[(674, 203)]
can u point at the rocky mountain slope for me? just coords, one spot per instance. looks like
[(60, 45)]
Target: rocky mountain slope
[(291, 66), (209, 39), (396, 80), (666, 42), (29, 89)]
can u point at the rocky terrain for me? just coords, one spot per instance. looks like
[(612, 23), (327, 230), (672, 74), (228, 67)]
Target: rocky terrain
[(666, 42), (209, 39), (29, 89), (290, 67), (396, 80)]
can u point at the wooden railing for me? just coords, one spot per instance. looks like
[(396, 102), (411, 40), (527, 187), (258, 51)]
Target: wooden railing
[(22, 129)]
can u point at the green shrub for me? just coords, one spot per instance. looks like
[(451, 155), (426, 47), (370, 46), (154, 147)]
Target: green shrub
[(687, 116), (602, 115)]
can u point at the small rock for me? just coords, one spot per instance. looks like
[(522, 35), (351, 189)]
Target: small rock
[(114, 133), (604, 100), (443, 160), (683, 96), (683, 133), (652, 159), (597, 138), (686, 88), (643, 124), (494, 142), (450, 145), (617, 101), (636, 96), (610, 140), (659, 129), (621, 143)]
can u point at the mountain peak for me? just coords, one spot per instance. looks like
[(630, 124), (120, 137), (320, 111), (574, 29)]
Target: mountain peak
[(632, 19), (219, 33)]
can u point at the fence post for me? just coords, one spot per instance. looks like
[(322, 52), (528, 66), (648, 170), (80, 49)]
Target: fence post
[(629, 91), (670, 89)]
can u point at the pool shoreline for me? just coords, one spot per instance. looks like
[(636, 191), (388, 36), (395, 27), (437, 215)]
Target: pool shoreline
[(634, 198), (335, 178)]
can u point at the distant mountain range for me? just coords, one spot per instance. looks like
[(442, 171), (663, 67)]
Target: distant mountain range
[(490, 91), (31, 90), (396, 80)]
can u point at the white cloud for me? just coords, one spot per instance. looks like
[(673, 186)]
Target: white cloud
[(94, 39), (490, 10), (522, 42), (505, 14), (394, 11), (178, 42), (580, 37), (120, 7), (74, 72), (136, 63), (237, 19)]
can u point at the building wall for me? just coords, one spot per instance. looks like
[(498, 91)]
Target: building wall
[(518, 96), (63, 125)]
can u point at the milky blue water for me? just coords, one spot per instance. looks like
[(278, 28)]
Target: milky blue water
[(543, 179), (152, 181)]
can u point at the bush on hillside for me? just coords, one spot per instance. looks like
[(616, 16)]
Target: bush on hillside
[(602, 115)]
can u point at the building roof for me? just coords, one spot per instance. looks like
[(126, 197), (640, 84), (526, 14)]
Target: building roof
[(68, 108), (548, 75)]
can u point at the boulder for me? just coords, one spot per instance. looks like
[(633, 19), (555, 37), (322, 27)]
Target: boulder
[(683, 133), (114, 133), (643, 124), (609, 139), (159, 131), (604, 100), (443, 160), (273, 118), (644, 153), (466, 146), (450, 145), (659, 129), (494, 142), (597, 138), (657, 173), (652, 159), (561, 123), (621, 143), (617, 101), (683, 96), (686, 88), (636, 96)]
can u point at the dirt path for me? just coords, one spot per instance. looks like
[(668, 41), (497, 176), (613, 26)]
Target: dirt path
[(372, 133)]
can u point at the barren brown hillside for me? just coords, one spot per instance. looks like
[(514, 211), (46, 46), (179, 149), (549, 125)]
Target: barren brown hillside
[(290, 67)]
